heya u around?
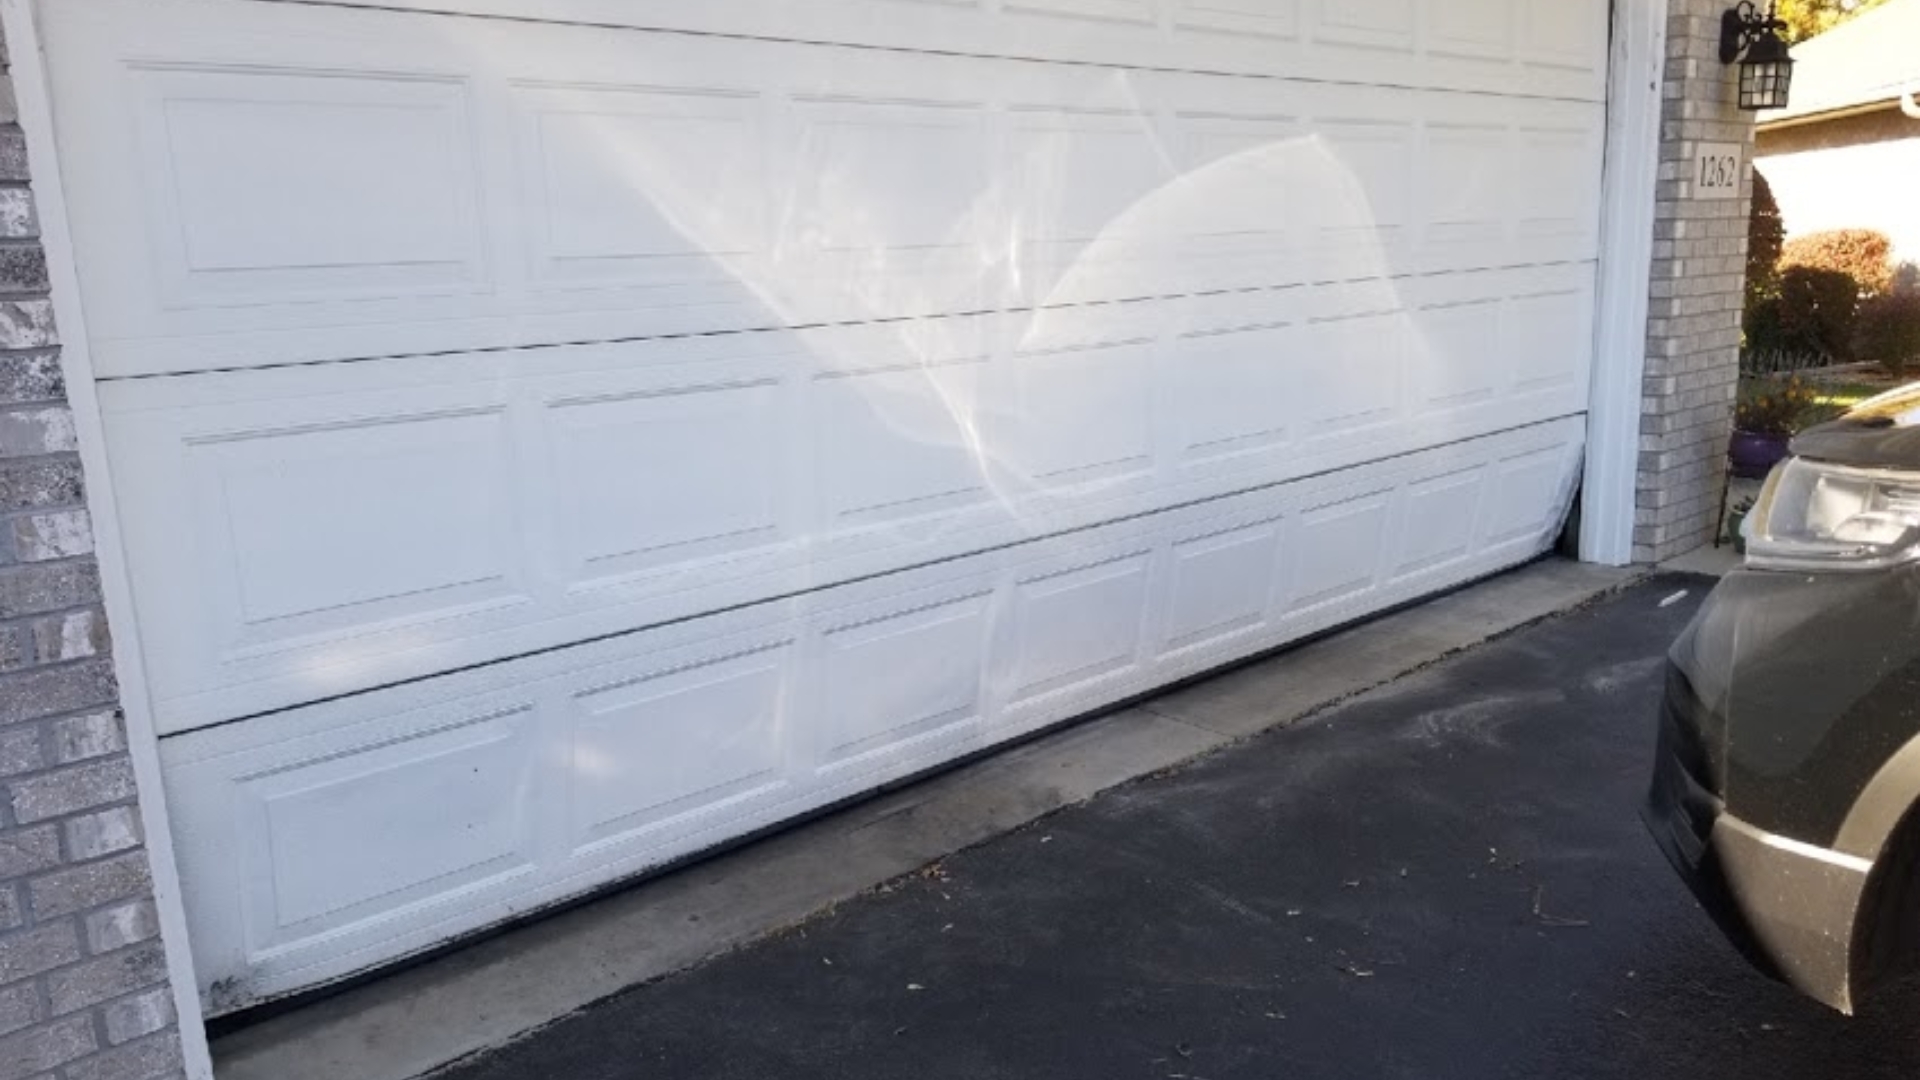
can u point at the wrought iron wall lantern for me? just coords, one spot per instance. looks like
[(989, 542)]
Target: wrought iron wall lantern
[(1753, 40)]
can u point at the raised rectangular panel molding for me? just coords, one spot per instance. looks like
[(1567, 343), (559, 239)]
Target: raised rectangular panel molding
[(898, 444), (327, 839), (652, 476), (1084, 415), (1441, 518), (1088, 182), (1382, 24), (1238, 389), (887, 197), (1538, 326), (1339, 548), (1476, 29), (1562, 187), (1365, 191), (1563, 35), (1078, 625), (1222, 584), (387, 518), (1251, 167), (901, 677), (667, 745), (1458, 355), (642, 185), (1520, 487), (1364, 388), (293, 185), (1467, 184), (1136, 11), (1262, 18)]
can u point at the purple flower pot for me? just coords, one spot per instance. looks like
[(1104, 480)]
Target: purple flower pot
[(1751, 454)]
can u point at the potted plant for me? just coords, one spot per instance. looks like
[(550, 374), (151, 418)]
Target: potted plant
[(1765, 417)]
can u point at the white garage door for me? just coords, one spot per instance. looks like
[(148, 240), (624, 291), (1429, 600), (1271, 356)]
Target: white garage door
[(547, 449)]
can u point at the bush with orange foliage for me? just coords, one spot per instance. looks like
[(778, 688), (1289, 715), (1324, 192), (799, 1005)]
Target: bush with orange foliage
[(1865, 255)]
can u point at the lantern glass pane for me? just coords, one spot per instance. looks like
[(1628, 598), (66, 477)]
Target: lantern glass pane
[(1764, 85)]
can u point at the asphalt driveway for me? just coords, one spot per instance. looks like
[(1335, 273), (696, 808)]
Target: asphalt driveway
[(1441, 878)]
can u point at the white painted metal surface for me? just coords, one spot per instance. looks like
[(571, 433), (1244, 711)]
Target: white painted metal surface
[(469, 581)]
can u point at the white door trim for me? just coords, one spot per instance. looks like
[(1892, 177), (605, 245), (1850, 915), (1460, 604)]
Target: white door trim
[(1635, 72), (18, 18)]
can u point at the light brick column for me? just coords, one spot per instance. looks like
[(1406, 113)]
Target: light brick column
[(1695, 295), (83, 980)]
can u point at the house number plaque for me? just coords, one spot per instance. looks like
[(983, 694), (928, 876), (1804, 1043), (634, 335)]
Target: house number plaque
[(1716, 171)]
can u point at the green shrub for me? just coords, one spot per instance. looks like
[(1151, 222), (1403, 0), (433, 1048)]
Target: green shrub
[(1813, 313), (1865, 255), (1766, 233), (1887, 330)]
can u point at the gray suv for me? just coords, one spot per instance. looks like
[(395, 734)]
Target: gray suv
[(1788, 767)]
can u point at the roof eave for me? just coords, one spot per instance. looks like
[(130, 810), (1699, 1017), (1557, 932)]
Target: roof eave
[(1836, 112)]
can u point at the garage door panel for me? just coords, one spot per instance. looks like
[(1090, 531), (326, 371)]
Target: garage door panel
[(533, 190), (1076, 627), (1474, 29), (897, 681), (306, 547), (1568, 37), (1519, 482), (648, 749), (261, 179), (1221, 585), (642, 186), (1444, 518), (306, 843), (653, 476), (1379, 24), (600, 759), (1337, 549), (357, 524), (1271, 37)]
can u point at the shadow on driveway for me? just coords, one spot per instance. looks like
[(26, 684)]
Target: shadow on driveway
[(1445, 877)]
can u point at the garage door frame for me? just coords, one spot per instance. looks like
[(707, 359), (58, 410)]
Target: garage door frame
[(1633, 103)]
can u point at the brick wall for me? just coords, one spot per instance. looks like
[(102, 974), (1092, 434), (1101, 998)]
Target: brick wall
[(83, 981), (1693, 313)]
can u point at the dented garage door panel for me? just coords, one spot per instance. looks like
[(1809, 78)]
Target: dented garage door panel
[(545, 450), (355, 524)]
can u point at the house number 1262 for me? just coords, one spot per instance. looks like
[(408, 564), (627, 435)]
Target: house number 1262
[(1716, 171)]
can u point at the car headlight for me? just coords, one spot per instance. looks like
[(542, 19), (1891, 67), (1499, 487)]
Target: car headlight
[(1811, 515)]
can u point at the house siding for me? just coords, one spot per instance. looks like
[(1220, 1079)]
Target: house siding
[(1849, 172), (1694, 297), (83, 979)]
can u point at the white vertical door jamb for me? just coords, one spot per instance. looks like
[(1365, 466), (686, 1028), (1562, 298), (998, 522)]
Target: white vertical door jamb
[(18, 17), (1636, 63)]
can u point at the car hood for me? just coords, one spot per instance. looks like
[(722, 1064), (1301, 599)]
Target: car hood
[(1880, 432)]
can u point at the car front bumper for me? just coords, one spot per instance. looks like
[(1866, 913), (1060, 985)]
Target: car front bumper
[(1790, 907)]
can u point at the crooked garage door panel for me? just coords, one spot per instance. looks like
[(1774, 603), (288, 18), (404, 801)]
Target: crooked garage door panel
[(547, 449), (313, 531), (273, 183), (496, 790), (1495, 46)]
